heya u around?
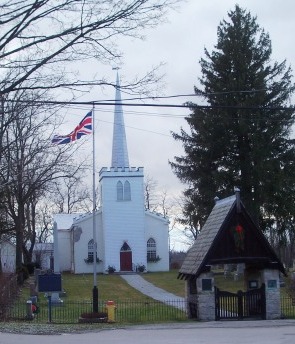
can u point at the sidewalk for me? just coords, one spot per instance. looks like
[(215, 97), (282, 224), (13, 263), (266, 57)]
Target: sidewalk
[(147, 288)]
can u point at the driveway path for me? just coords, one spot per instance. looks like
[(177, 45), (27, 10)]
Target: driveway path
[(147, 288)]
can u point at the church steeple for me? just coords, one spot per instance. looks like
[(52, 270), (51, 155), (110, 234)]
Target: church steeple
[(119, 150)]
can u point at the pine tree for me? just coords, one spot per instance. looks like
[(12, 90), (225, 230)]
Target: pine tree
[(242, 139)]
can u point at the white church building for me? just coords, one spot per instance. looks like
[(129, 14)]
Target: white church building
[(128, 236)]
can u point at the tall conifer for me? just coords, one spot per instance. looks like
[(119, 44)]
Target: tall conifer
[(243, 139)]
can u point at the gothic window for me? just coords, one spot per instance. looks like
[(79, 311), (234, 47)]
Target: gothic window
[(123, 192), (151, 250), (125, 247), (127, 191), (91, 250), (119, 191)]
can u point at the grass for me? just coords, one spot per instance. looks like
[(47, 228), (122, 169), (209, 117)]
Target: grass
[(167, 281), (113, 287), (132, 306), (110, 287), (79, 288), (228, 284)]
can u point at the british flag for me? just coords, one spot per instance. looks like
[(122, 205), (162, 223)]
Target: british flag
[(83, 128)]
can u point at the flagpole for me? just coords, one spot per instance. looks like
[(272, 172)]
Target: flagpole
[(95, 290)]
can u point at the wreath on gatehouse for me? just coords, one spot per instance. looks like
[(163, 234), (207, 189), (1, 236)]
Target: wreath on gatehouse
[(238, 233)]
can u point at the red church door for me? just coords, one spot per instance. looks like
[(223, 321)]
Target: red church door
[(125, 258)]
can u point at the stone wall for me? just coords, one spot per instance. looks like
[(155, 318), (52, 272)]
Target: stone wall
[(272, 293)]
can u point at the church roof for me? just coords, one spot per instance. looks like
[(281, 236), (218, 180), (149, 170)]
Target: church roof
[(119, 148), (157, 215), (85, 216), (229, 236), (64, 221)]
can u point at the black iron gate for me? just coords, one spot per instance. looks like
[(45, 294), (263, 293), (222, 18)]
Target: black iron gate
[(249, 304)]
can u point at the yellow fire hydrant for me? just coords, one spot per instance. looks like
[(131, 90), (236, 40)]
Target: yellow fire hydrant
[(110, 306)]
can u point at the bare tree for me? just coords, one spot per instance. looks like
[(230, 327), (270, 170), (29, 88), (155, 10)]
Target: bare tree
[(157, 200), (31, 163), (39, 36), (150, 193), (184, 224), (44, 220), (71, 194)]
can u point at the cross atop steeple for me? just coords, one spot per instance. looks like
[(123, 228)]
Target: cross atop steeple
[(119, 150)]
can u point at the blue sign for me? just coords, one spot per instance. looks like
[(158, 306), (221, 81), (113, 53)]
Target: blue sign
[(49, 282)]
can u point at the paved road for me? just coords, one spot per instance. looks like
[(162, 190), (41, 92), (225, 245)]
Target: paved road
[(147, 288), (233, 332)]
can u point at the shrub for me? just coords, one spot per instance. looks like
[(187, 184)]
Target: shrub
[(140, 267), (111, 269)]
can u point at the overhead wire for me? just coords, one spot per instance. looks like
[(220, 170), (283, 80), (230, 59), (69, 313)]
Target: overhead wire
[(102, 106)]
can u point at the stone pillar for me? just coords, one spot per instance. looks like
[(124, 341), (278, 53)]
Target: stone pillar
[(271, 279), (206, 296), (191, 298)]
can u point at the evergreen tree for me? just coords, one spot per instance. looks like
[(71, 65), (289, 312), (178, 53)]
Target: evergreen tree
[(242, 139)]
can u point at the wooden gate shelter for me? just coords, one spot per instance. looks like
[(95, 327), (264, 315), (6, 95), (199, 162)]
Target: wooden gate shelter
[(230, 236)]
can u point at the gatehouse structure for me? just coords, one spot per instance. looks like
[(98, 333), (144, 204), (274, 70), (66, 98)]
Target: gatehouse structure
[(230, 236)]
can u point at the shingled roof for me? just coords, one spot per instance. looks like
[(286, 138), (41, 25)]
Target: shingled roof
[(229, 236)]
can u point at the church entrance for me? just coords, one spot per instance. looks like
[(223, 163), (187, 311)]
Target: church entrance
[(125, 258)]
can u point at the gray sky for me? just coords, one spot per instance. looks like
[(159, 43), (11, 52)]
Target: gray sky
[(180, 44)]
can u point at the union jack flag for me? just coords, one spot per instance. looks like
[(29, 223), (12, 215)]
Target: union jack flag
[(83, 128)]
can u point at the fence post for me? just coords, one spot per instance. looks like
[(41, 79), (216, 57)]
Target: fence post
[(29, 311), (240, 304)]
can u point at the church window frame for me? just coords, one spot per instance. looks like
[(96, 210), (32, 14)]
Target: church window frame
[(123, 191), (90, 253), (152, 250), (120, 191), (127, 191), (125, 247)]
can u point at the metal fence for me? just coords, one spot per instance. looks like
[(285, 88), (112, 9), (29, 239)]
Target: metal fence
[(8, 292), (128, 311), (287, 307)]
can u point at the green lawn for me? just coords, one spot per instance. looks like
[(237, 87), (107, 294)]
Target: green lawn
[(113, 287), (132, 306), (167, 281), (228, 284), (110, 287)]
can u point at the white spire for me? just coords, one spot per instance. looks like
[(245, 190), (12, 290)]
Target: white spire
[(119, 151)]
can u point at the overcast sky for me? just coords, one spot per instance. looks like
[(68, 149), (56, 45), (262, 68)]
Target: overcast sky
[(179, 44)]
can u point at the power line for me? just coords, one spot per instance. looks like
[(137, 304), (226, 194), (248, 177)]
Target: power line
[(197, 94), (145, 130), (189, 106)]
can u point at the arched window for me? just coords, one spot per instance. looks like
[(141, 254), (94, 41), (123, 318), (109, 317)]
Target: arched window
[(125, 247), (151, 250), (123, 193), (127, 191), (91, 250), (119, 191)]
